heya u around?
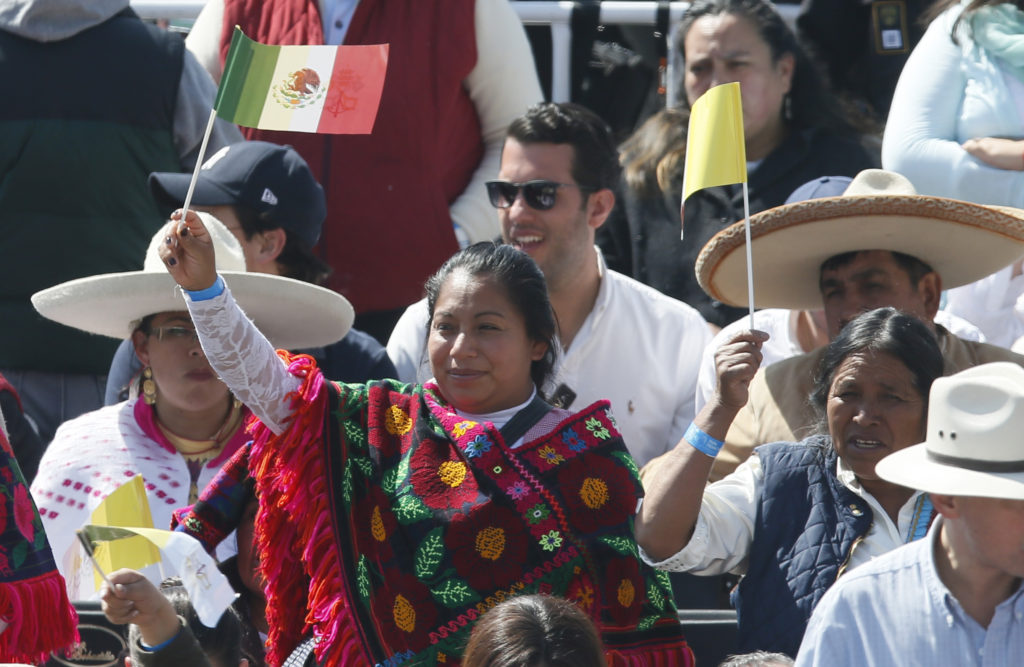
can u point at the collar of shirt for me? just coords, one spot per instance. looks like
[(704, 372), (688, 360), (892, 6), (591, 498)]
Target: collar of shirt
[(897, 533)]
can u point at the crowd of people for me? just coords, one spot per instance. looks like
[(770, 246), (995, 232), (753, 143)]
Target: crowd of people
[(475, 388)]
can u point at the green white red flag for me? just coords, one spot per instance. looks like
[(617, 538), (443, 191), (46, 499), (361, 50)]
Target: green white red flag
[(323, 89)]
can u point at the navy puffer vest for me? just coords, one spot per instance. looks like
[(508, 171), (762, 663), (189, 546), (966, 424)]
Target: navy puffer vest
[(806, 525)]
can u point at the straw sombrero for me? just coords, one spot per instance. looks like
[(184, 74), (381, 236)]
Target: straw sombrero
[(290, 313), (880, 210), (973, 445)]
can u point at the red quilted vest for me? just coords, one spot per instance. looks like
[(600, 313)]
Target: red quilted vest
[(388, 193)]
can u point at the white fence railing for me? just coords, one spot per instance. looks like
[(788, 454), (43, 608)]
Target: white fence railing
[(556, 14)]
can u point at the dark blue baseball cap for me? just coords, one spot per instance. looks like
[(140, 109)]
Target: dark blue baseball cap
[(270, 179)]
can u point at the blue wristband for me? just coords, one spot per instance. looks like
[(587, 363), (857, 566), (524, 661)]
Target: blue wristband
[(161, 645), (701, 441), (214, 290)]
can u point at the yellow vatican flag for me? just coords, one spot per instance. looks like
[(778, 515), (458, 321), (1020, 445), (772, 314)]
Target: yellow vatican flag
[(715, 152), (126, 506)]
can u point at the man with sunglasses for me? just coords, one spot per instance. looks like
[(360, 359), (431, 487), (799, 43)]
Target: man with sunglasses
[(620, 339)]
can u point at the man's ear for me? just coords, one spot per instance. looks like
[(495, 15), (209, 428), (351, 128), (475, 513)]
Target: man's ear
[(947, 506), (599, 207), (270, 243), (929, 287)]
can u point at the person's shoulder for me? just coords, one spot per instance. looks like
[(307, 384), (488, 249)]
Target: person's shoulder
[(962, 353), (635, 292)]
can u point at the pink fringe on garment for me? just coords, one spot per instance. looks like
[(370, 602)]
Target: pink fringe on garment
[(294, 534), (40, 619)]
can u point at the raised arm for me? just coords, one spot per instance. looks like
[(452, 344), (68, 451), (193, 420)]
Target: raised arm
[(242, 357), (674, 487)]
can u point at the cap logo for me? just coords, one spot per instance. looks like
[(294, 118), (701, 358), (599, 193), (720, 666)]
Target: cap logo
[(215, 158), (268, 197)]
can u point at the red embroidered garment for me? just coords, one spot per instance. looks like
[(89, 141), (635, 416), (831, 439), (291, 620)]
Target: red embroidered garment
[(411, 522)]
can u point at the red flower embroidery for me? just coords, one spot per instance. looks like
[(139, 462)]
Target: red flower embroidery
[(488, 547), (581, 591), (624, 592), (440, 477), (24, 513), (404, 612), (5, 566), (3, 513), (598, 493)]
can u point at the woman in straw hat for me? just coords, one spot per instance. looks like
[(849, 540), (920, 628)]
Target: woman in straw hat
[(795, 516), (184, 423), (397, 514)]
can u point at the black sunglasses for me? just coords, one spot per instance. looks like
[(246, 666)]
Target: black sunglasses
[(540, 195)]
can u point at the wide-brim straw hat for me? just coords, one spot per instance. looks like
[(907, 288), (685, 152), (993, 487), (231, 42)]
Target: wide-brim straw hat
[(973, 445), (880, 210), (290, 313)]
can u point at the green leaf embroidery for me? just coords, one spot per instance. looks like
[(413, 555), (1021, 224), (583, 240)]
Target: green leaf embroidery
[(363, 579), (455, 593), (410, 509), (629, 463), (365, 466), (394, 477), (623, 545), (646, 623), (429, 554), (654, 594)]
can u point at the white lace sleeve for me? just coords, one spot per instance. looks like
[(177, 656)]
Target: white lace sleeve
[(243, 358)]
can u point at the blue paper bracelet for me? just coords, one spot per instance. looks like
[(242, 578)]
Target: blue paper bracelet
[(214, 290), (701, 441), (161, 645)]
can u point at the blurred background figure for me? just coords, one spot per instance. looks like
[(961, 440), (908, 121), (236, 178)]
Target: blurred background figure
[(534, 631), (122, 99), (956, 129), (758, 659), (402, 200), (794, 129)]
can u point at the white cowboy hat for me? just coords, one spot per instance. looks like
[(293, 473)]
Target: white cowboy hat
[(974, 445), (880, 210), (290, 313)]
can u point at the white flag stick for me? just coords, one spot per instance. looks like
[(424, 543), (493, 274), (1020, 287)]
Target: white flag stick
[(750, 255), (199, 159)]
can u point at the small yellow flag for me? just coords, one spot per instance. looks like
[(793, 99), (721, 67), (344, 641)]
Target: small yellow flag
[(715, 152), (126, 506)]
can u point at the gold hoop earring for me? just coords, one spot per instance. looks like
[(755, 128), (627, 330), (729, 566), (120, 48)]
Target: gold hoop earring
[(148, 386)]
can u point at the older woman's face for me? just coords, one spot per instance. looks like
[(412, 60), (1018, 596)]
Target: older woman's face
[(725, 48), (184, 379), (873, 410)]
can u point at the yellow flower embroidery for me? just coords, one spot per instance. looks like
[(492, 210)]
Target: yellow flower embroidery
[(626, 592), (377, 525), (594, 492), (452, 473), (490, 543), (550, 456), (397, 422), (405, 614), (460, 429)]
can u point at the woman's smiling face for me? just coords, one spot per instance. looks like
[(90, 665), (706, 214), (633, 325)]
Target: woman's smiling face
[(479, 350)]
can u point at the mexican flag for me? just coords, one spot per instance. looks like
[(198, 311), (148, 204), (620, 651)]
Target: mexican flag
[(324, 89)]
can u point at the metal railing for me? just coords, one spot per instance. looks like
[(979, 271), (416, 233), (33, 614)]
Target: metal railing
[(556, 14)]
